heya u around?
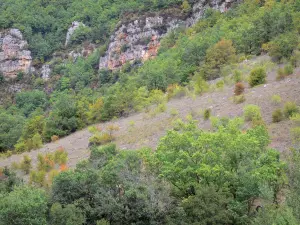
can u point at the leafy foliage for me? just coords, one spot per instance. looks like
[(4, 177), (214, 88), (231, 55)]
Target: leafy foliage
[(24, 205), (257, 76)]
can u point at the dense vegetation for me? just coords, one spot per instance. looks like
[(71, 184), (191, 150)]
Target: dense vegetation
[(227, 175), (195, 177), (45, 22), (78, 94)]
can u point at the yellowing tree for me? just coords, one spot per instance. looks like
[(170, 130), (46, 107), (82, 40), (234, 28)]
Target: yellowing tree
[(94, 113), (218, 55)]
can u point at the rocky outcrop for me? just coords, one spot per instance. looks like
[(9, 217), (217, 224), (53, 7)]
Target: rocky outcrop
[(82, 51), (139, 39), (75, 25), (14, 56), (45, 72)]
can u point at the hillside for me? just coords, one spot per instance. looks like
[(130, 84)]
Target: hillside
[(149, 112), (145, 130)]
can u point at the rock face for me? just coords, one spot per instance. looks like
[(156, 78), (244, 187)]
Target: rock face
[(14, 56), (71, 30), (139, 39), (45, 72)]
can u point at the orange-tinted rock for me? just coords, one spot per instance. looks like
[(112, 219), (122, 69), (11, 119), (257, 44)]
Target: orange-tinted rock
[(14, 56)]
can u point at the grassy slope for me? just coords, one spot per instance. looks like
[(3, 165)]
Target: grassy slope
[(144, 130)]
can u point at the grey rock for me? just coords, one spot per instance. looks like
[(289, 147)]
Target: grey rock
[(75, 25), (45, 72), (14, 56), (140, 39)]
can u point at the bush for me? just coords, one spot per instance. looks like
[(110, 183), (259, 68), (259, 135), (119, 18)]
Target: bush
[(257, 76), (218, 55), (280, 74), (101, 139), (237, 76), (277, 116), (290, 108), (220, 84), (36, 141), (26, 164), (283, 45), (288, 69), (37, 178), (276, 99), (161, 108), (45, 163), (295, 132), (296, 119), (252, 113), (295, 59), (24, 205), (239, 99), (239, 88), (174, 112), (207, 114), (199, 84), (175, 91), (60, 156), (54, 138)]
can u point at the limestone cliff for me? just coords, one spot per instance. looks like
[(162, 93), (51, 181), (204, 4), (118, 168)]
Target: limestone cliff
[(14, 56), (139, 38)]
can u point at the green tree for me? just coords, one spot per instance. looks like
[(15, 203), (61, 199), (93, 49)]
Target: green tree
[(29, 101), (24, 205), (10, 130), (68, 215)]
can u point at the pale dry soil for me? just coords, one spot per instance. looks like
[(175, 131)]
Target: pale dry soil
[(143, 130)]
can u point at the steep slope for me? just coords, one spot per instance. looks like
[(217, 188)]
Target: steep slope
[(142, 130)]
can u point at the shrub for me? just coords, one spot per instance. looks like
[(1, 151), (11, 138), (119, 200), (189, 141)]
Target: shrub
[(252, 113), (237, 76), (45, 163), (101, 139), (296, 119), (175, 91), (207, 114), (288, 69), (277, 116), (290, 108), (37, 141), (63, 167), (199, 84), (220, 84), (295, 132), (37, 177), (161, 108), (174, 112), (257, 76), (239, 99), (239, 88), (177, 124), (51, 175), (218, 55), (60, 156), (276, 99), (280, 74), (54, 138), (26, 164), (295, 59), (283, 45), (112, 128)]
